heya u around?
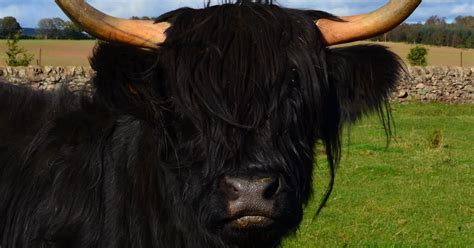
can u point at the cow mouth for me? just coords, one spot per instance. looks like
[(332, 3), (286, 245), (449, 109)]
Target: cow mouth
[(253, 230), (252, 222)]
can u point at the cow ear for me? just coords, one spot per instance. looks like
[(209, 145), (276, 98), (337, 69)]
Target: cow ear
[(363, 77), (124, 76)]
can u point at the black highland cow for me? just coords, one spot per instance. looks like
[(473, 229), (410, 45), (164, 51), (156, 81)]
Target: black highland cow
[(203, 139)]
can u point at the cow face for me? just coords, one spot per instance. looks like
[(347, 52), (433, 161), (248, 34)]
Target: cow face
[(239, 95), (244, 102)]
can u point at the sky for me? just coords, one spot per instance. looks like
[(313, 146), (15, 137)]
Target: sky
[(29, 12)]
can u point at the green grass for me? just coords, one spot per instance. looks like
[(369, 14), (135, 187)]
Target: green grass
[(418, 192)]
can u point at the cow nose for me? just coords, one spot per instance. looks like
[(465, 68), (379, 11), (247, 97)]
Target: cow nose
[(264, 188), (250, 201)]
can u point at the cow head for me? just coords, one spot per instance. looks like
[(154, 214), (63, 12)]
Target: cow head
[(238, 95)]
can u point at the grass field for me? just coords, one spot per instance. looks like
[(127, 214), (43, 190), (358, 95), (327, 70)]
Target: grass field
[(62, 53), (418, 192)]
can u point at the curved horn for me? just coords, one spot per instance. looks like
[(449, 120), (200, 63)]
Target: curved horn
[(146, 34), (359, 27)]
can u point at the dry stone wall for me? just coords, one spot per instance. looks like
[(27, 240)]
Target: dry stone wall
[(425, 84), (48, 77), (437, 84)]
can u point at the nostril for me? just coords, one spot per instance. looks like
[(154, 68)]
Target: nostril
[(272, 186), (231, 187), (264, 188)]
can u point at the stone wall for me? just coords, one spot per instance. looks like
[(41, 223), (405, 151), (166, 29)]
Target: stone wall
[(426, 84), (437, 84), (49, 77)]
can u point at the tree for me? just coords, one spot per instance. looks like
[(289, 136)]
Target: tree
[(469, 42), (51, 28), (435, 21), (74, 32), (146, 18), (16, 55), (9, 26), (465, 21), (435, 31), (417, 56)]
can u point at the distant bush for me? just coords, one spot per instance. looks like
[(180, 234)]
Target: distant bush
[(16, 55), (417, 56)]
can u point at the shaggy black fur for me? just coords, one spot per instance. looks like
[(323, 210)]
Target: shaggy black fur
[(237, 89)]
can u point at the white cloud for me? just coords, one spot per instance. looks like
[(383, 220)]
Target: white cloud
[(463, 9), (26, 13), (123, 8), (11, 10)]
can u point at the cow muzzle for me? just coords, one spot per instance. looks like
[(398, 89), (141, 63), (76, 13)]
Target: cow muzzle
[(250, 201)]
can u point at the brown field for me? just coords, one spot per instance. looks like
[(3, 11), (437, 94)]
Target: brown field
[(436, 55), (69, 52), (55, 52)]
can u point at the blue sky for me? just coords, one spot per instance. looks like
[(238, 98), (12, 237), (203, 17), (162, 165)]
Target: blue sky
[(29, 12)]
